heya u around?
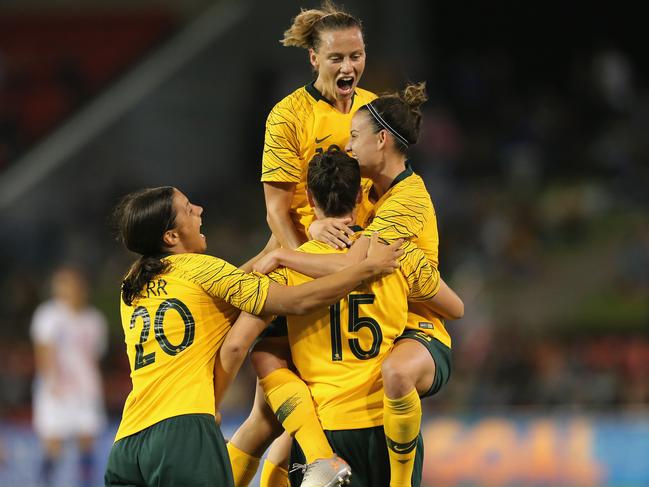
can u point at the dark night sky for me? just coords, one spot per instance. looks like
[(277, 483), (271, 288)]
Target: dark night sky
[(531, 31)]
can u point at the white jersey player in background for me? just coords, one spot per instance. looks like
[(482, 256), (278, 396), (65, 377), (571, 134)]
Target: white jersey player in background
[(69, 338)]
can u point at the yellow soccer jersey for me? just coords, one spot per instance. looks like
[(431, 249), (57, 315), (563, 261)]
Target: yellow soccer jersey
[(173, 332), (298, 127), (338, 350), (406, 211)]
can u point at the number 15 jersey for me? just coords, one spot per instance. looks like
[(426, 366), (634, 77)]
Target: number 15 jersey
[(338, 350)]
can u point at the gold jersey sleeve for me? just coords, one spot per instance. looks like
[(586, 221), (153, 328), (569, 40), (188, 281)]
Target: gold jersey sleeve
[(222, 280), (406, 211), (299, 126), (172, 334), (421, 275), (279, 275), (282, 160), (338, 350)]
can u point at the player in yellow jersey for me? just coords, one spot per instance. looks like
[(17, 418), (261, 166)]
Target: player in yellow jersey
[(420, 364), (177, 306), (312, 119), (338, 351)]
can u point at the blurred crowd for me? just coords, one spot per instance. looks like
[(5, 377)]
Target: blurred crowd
[(50, 65), (542, 203)]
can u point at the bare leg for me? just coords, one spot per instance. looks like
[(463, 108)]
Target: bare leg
[(275, 470), (258, 431), (409, 366), (280, 450)]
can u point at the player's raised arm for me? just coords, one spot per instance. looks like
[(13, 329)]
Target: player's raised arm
[(313, 265), (302, 299), (279, 196)]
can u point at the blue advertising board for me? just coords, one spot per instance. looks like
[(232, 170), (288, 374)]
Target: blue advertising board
[(460, 451)]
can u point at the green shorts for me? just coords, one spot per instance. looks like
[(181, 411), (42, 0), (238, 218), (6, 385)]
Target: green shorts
[(187, 450), (441, 355), (367, 454)]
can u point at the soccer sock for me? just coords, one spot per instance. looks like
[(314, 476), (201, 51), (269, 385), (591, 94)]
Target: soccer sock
[(244, 466), (401, 422), (290, 399), (87, 468), (273, 476)]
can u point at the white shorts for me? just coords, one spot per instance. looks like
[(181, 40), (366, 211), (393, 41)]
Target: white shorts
[(60, 417)]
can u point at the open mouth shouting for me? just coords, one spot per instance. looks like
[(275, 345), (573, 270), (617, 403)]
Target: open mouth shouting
[(345, 85)]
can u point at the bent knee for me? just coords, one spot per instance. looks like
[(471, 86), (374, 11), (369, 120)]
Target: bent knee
[(409, 366), (264, 363), (398, 380), (265, 359)]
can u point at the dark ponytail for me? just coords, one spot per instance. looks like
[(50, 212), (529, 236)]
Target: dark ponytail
[(141, 272), (142, 218), (400, 111)]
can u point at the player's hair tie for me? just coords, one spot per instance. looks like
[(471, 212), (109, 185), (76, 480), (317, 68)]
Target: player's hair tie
[(386, 125)]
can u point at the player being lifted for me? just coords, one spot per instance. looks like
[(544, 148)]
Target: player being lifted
[(177, 304), (313, 118)]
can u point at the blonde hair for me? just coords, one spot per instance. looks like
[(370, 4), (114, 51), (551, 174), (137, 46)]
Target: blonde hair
[(308, 25)]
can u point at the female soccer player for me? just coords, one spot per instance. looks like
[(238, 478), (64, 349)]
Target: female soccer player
[(69, 339), (313, 118), (168, 431), (419, 365)]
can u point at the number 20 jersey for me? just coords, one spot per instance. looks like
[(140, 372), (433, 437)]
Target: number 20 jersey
[(338, 350), (173, 332)]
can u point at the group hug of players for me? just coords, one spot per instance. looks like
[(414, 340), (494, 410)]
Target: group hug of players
[(342, 314)]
